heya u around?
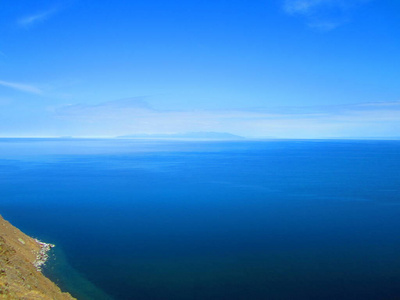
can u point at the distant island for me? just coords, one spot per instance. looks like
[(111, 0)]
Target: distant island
[(187, 136)]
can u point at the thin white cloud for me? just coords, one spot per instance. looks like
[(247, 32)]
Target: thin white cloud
[(21, 87), (135, 117), (323, 15), (393, 104), (38, 17), (304, 7)]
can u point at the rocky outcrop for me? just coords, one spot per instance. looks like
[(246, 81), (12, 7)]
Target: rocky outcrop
[(20, 260)]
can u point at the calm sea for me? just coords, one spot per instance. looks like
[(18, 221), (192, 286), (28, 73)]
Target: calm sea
[(150, 220)]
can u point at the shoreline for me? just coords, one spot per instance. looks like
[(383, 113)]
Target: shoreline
[(42, 256), (21, 262)]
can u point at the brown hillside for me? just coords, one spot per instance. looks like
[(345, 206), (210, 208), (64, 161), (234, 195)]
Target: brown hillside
[(19, 278)]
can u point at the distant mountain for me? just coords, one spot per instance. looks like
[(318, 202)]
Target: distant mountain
[(187, 135)]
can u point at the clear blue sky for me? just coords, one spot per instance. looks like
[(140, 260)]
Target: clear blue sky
[(271, 68)]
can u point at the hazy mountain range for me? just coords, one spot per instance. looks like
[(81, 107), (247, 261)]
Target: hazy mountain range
[(186, 135)]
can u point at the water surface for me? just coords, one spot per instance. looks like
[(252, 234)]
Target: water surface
[(210, 220)]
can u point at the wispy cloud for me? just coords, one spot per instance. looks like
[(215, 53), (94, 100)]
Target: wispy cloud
[(134, 116), (21, 87), (323, 15), (304, 7), (37, 17)]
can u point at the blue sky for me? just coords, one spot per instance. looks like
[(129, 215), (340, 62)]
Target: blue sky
[(271, 68)]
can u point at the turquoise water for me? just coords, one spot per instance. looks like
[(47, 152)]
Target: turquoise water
[(210, 220)]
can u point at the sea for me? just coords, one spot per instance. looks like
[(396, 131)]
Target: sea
[(177, 220)]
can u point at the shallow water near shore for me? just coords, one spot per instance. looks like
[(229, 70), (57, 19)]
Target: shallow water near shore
[(210, 220)]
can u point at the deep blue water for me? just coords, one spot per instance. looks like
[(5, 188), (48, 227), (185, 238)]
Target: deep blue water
[(153, 220)]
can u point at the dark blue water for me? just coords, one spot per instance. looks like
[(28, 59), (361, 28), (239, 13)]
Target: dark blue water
[(210, 220)]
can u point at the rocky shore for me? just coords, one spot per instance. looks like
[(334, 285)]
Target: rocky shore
[(42, 256), (21, 260)]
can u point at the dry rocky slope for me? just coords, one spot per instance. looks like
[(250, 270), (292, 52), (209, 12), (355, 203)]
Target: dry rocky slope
[(19, 278)]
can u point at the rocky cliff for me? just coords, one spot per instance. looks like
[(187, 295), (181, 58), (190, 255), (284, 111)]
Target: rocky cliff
[(20, 261)]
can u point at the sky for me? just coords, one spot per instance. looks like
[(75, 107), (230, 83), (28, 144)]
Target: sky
[(258, 69)]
